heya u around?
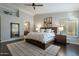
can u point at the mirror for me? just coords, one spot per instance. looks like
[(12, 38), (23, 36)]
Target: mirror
[(14, 30)]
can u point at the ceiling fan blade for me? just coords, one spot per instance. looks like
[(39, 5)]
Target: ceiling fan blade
[(33, 5), (38, 5), (28, 4)]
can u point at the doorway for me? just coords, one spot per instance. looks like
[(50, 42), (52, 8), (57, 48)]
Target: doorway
[(26, 28)]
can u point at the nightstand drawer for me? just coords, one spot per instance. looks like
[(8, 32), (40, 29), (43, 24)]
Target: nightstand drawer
[(60, 38)]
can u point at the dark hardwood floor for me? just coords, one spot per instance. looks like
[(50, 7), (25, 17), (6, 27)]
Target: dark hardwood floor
[(65, 50), (4, 49), (68, 50)]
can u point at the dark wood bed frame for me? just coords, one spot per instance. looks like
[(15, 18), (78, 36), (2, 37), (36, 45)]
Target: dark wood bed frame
[(40, 44)]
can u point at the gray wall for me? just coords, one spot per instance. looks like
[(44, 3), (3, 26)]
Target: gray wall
[(7, 19)]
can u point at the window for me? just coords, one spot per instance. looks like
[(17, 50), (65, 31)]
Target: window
[(70, 27)]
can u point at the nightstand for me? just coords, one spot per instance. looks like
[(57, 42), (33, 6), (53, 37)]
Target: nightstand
[(60, 38)]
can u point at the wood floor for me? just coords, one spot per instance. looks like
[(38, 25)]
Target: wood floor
[(68, 50), (65, 50)]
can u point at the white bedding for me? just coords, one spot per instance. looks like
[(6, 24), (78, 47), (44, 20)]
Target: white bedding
[(43, 37)]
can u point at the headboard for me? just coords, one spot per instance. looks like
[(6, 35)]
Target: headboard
[(53, 28)]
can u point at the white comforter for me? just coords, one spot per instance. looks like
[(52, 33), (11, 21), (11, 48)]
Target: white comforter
[(42, 37)]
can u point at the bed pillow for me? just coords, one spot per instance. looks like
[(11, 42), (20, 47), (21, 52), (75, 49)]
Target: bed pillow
[(42, 30), (48, 30), (52, 30)]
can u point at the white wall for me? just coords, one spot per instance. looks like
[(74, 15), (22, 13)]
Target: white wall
[(38, 19), (56, 18), (7, 19)]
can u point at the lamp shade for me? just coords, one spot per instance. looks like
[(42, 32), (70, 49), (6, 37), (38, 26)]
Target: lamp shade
[(60, 28), (37, 29)]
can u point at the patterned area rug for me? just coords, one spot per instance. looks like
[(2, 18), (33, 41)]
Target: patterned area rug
[(23, 48)]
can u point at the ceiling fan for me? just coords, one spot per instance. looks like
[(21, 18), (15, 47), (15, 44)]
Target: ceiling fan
[(34, 5)]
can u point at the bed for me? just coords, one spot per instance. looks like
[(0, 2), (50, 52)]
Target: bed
[(41, 39)]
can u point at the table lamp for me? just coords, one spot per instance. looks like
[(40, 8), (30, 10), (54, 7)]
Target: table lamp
[(60, 29)]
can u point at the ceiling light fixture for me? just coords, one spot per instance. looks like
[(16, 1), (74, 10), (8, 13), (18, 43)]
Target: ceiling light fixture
[(34, 5)]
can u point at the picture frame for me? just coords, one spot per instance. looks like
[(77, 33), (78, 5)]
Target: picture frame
[(48, 22)]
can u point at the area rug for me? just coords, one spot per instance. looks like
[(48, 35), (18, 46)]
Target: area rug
[(23, 48)]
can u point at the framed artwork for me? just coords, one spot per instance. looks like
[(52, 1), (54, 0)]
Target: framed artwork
[(45, 22), (48, 22), (14, 29)]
